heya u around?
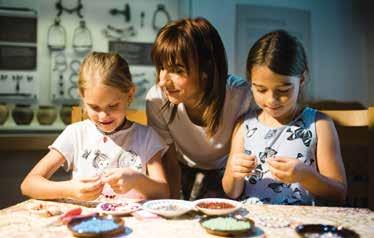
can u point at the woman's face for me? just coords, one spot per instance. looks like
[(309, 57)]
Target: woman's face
[(105, 105), (275, 94), (179, 87)]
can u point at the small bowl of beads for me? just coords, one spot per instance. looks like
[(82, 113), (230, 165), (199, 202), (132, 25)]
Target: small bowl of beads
[(118, 209), (324, 231), (96, 226), (168, 208), (227, 225), (217, 206)]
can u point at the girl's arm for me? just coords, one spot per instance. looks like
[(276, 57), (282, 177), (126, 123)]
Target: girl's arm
[(232, 185), (37, 184), (330, 183)]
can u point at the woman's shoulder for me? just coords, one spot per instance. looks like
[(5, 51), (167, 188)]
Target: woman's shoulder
[(155, 92), (234, 81)]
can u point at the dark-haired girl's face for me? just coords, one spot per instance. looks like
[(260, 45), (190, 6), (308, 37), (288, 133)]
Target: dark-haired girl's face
[(179, 87), (275, 94)]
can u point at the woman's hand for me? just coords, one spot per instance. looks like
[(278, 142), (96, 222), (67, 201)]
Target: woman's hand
[(86, 189), (287, 169), (242, 165), (121, 179)]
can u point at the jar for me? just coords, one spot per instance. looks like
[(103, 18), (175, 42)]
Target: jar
[(4, 113), (22, 114), (46, 115), (65, 114)]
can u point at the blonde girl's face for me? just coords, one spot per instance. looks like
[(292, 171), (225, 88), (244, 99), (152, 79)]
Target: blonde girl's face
[(178, 87), (275, 94), (105, 105)]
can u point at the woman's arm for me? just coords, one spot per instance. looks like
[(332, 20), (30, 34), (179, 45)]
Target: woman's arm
[(330, 183), (37, 184), (173, 172)]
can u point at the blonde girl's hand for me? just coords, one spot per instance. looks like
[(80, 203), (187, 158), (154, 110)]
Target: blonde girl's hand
[(86, 189), (121, 179), (287, 169), (242, 165)]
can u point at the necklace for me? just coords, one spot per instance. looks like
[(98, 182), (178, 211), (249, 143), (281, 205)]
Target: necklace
[(120, 127)]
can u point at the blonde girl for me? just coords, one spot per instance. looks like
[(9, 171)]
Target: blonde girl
[(107, 154)]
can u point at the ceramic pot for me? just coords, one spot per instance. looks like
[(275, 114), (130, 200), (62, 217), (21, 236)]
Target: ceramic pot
[(46, 115), (4, 113), (65, 114), (22, 114)]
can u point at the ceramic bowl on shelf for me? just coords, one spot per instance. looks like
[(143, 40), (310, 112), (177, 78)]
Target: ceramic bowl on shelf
[(46, 115), (4, 113), (22, 114), (65, 114)]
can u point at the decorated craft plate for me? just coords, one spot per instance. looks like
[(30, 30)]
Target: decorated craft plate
[(320, 230), (168, 207), (217, 206), (96, 226), (227, 225), (117, 209)]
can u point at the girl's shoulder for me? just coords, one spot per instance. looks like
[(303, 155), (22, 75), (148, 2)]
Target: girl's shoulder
[(80, 126)]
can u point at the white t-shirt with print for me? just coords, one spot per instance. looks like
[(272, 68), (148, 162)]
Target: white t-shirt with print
[(88, 152)]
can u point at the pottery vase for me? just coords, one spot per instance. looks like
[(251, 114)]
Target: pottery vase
[(65, 114), (4, 113), (22, 114), (46, 115)]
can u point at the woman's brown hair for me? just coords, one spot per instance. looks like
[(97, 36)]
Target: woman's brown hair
[(196, 45)]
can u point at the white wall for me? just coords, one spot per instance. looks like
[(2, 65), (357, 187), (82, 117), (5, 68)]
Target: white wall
[(96, 15), (338, 43)]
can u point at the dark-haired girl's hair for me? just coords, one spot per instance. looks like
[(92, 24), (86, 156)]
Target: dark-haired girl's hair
[(281, 52)]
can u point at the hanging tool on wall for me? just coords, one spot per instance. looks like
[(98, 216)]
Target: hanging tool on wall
[(82, 39), (158, 13), (142, 16), (115, 33), (61, 8), (56, 37), (125, 12)]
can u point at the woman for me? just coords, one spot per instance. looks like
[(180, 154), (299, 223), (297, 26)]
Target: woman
[(194, 104)]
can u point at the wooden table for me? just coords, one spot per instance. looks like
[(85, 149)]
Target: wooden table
[(20, 221)]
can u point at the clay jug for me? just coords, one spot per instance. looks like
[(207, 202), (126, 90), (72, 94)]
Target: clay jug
[(65, 114), (46, 115), (22, 114), (4, 113)]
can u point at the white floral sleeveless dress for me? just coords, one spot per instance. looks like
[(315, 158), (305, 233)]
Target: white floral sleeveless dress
[(296, 139)]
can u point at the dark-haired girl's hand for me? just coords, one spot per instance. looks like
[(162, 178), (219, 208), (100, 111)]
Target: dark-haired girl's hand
[(86, 189), (287, 169), (242, 165)]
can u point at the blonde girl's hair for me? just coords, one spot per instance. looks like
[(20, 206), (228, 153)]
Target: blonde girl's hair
[(112, 69), (195, 45)]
